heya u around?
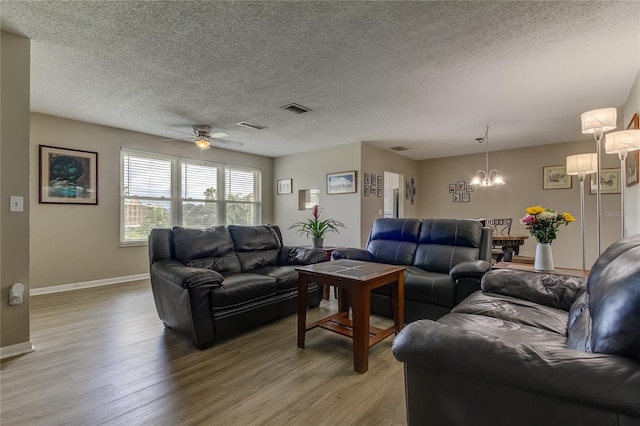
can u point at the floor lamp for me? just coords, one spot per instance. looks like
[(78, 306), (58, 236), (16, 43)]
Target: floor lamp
[(582, 165), (622, 143), (597, 122)]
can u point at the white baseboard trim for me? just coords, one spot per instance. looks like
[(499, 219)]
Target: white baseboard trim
[(15, 350), (87, 284)]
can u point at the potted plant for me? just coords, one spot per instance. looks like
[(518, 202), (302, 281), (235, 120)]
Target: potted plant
[(316, 227)]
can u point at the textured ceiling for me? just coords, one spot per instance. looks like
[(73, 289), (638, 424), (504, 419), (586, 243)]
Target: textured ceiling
[(426, 75)]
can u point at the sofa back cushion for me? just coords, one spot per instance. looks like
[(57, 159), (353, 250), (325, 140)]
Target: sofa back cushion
[(394, 241), (443, 243), (614, 300), (210, 248), (256, 246)]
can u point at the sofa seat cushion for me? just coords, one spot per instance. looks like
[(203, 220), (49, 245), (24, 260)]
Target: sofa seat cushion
[(286, 276), (238, 289), (425, 286), (508, 331), (517, 311)]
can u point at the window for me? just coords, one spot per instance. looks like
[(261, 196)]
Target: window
[(241, 195), (159, 191)]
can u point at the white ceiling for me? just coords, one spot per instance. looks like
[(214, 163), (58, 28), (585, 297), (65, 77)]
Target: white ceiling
[(426, 75)]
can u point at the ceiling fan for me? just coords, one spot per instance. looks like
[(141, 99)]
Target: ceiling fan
[(204, 138)]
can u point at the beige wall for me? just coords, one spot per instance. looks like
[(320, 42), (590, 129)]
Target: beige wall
[(376, 160), (308, 171), (632, 194), (79, 243), (522, 170), (14, 180)]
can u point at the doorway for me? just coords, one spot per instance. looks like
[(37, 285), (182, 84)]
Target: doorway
[(393, 205)]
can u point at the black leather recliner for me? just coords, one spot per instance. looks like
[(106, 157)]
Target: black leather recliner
[(213, 283), (445, 260), (532, 349)]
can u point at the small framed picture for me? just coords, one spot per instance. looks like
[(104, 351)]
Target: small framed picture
[(366, 178), (341, 183), (456, 197), (466, 197), (380, 182), (373, 179), (469, 187), (372, 189), (285, 186), (379, 191), (609, 182), (365, 190), (68, 176), (555, 177), (452, 188), (462, 185), (407, 190)]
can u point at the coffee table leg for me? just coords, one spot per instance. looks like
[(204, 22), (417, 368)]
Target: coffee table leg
[(360, 311), (397, 300), (302, 308), (343, 300)]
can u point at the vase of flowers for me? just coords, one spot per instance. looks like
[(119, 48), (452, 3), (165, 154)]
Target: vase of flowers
[(316, 228), (543, 224)]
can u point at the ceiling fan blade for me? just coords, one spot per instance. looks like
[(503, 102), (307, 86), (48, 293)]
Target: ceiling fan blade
[(226, 142), (178, 139), (219, 135), (180, 131)]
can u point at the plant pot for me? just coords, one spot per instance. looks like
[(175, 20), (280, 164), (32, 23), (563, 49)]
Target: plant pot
[(544, 257), (317, 242)]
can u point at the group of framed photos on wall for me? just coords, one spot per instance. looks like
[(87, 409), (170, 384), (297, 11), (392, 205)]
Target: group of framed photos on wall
[(461, 191), (372, 184)]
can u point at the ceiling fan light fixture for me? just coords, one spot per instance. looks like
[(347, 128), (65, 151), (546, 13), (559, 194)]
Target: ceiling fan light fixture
[(202, 142)]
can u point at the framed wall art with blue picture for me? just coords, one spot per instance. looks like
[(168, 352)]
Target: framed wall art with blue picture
[(68, 176)]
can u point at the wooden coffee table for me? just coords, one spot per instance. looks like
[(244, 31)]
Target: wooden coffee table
[(355, 280)]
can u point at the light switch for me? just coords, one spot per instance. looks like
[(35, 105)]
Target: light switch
[(17, 203)]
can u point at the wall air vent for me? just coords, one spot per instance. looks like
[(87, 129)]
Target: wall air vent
[(251, 125), (399, 148), (295, 108)]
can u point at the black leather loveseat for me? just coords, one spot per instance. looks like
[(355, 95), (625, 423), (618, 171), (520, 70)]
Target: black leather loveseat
[(212, 283), (532, 349), (445, 259)]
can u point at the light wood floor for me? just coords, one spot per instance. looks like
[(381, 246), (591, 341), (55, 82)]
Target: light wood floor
[(103, 358)]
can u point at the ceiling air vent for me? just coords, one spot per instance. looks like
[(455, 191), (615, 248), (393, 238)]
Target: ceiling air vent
[(295, 108), (251, 125), (399, 148)]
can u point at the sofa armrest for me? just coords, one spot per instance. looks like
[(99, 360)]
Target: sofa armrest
[(301, 256), (181, 295), (470, 268), (351, 253), (178, 274), (556, 291), (606, 381)]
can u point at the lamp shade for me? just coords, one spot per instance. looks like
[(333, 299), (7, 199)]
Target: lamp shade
[(582, 163), (603, 118), (622, 141)]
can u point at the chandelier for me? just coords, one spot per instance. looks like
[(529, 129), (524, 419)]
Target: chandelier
[(487, 177)]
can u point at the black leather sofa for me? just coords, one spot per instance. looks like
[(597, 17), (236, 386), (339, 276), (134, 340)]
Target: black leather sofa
[(532, 349), (213, 283), (445, 259)]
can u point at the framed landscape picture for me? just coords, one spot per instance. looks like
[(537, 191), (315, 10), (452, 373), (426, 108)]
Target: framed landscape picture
[(609, 182), (555, 177), (341, 183), (68, 176)]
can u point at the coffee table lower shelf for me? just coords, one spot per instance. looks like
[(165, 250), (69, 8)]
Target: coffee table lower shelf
[(341, 324)]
